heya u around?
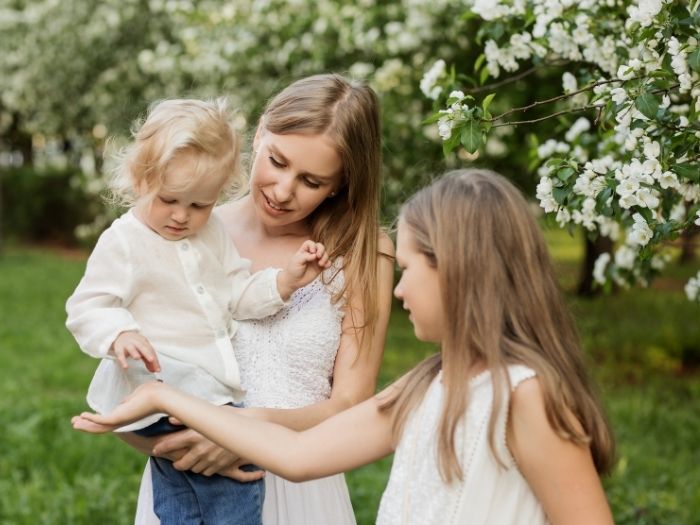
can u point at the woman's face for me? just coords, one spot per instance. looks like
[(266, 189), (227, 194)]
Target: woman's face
[(419, 288), (291, 175)]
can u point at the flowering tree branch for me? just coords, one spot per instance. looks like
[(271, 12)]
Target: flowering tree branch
[(633, 174)]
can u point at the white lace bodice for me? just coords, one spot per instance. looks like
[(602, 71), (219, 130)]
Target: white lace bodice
[(488, 493), (286, 360)]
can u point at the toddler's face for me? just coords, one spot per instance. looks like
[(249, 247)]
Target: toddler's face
[(179, 209)]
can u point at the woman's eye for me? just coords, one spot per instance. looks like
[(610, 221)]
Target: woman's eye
[(275, 162), (310, 183)]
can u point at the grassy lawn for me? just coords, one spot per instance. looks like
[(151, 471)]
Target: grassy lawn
[(643, 348)]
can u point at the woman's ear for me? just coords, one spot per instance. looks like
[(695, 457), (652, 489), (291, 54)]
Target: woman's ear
[(259, 132)]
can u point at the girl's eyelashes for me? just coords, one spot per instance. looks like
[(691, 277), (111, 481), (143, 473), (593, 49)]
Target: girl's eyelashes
[(165, 200), (275, 162)]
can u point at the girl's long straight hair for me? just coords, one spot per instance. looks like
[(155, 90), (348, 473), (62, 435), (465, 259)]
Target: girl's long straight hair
[(503, 306), (347, 112)]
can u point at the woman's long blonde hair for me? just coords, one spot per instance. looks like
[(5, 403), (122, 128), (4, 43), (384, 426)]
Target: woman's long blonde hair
[(503, 306), (347, 112)]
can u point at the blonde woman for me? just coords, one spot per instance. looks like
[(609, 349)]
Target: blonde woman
[(501, 426), (315, 174)]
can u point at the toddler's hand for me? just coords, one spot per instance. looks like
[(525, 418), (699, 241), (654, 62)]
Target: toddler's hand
[(135, 346), (304, 266)]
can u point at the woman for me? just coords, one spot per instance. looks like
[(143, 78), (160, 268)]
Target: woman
[(315, 174)]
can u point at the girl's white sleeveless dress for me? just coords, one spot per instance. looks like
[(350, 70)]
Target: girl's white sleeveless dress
[(488, 494), (286, 361)]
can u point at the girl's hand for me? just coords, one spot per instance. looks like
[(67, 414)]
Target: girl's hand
[(135, 346), (141, 403), (304, 266)]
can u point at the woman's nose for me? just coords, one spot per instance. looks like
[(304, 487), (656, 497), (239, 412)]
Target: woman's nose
[(284, 189)]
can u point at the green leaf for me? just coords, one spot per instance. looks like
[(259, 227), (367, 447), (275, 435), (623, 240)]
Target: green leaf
[(479, 61), (694, 59), (688, 170), (487, 102), (450, 143), (647, 214), (432, 118), (647, 104), (560, 194), (565, 174), (471, 136), (484, 75), (603, 196)]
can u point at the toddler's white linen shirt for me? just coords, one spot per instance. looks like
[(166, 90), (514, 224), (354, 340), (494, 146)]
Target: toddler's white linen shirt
[(181, 295)]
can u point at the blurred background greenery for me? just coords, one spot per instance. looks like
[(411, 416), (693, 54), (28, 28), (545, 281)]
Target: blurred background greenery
[(75, 74)]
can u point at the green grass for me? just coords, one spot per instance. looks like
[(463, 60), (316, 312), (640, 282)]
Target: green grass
[(642, 347)]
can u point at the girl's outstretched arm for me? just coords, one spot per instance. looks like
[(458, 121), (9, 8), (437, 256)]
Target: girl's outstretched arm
[(354, 380), (348, 440), (562, 474)]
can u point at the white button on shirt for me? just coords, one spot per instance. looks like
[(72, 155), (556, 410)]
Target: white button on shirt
[(183, 296)]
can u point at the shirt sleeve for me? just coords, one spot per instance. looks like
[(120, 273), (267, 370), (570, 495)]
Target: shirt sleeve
[(253, 296), (97, 311)]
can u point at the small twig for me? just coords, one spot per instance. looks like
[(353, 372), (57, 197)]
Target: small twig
[(512, 79), (554, 99), (558, 113)]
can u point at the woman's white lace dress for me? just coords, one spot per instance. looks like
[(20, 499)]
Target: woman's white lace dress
[(286, 361)]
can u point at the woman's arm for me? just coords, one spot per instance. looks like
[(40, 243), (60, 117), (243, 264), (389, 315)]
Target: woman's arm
[(355, 373), (348, 440), (562, 474), (354, 380)]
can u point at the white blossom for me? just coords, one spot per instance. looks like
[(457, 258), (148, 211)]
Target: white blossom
[(432, 76), (569, 82), (692, 288), (641, 234), (599, 267), (625, 257), (582, 124)]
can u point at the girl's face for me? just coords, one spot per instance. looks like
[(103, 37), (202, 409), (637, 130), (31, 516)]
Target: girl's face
[(177, 211), (291, 175), (419, 288)]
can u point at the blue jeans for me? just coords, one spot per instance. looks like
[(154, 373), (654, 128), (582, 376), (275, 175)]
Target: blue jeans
[(187, 498)]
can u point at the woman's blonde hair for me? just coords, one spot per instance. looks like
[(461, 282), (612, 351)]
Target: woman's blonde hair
[(502, 306), (347, 112), (172, 128)]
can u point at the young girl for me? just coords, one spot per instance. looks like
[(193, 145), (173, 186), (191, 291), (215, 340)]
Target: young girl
[(164, 285), (500, 427)]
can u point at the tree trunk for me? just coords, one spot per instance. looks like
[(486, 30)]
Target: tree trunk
[(17, 140), (688, 245), (592, 250)]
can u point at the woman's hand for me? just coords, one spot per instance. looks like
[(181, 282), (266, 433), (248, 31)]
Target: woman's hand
[(189, 450), (139, 404)]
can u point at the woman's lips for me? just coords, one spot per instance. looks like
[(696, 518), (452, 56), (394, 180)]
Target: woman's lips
[(273, 208)]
